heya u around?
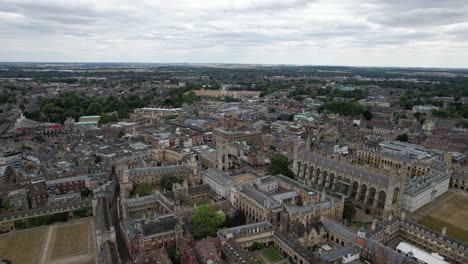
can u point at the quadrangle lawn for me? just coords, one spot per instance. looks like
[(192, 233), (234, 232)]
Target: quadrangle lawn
[(271, 254), (70, 240), (22, 247)]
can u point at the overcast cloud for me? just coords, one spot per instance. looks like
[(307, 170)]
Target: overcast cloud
[(427, 33)]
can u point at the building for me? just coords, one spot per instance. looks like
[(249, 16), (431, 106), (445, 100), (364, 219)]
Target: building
[(37, 195), (141, 237), (181, 194), (153, 175), (69, 184), (418, 255), (219, 181), (251, 137), (424, 190), (19, 199), (95, 119), (290, 207), (208, 250), (373, 192)]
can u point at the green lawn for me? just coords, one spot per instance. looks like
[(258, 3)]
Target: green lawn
[(452, 231), (272, 254)]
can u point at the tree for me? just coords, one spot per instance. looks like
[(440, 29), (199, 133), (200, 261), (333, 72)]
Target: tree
[(402, 137), (94, 108), (279, 165), (167, 181), (205, 221), (367, 115), (349, 211), (173, 254), (143, 189), (6, 204), (85, 192), (238, 219)]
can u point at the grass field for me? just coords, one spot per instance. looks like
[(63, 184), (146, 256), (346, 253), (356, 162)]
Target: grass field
[(454, 211), (22, 247), (451, 214), (452, 231), (70, 240), (271, 254)]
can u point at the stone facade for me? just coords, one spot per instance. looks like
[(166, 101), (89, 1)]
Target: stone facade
[(373, 192)]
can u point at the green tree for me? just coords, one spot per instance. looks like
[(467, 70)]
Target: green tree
[(279, 165), (190, 97), (6, 204), (173, 254), (205, 221), (94, 108), (349, 211), (143, 189), (402, 137), (85, 192), (167, 181)]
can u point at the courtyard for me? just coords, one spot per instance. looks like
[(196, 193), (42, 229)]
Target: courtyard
[(450, 210), (269, 256), (69, 242)]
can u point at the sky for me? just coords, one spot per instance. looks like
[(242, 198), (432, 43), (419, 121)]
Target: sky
[(408, 33)]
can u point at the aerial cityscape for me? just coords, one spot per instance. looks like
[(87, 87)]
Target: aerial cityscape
[(262, 131)]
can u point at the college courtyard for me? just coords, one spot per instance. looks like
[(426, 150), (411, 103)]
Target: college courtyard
[(70, 242)]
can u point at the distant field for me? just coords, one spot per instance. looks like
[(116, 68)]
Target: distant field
[(70, 240), (22, 246), (452, 214)]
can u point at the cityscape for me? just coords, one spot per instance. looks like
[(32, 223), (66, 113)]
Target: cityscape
[(153, 132)]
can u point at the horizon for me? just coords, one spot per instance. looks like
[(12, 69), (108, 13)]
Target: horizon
[(370, 33), (229, 63)]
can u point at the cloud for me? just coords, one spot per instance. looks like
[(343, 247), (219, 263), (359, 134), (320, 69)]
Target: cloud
[(414, 32)]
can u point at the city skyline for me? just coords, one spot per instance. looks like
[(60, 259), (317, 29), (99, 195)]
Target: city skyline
[(356, 33)]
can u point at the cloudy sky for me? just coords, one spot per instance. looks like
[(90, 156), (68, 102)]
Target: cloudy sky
[(427, 33)]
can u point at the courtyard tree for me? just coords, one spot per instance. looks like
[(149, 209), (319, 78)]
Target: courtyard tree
[(205, 221), (402, 137), (279, 165), (167, 181), (143, 189), (349, 211)]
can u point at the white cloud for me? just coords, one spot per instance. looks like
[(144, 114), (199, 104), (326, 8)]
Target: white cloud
[(368, 32)]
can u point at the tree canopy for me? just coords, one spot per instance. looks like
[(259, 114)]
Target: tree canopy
[(402, 137), (167, 181), (279, 165), (205, 221), (143, 189), (349, 211)]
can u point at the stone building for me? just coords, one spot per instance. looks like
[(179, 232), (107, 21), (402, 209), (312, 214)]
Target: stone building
[(143, 237), (219, 181), (285, 207), (424, 190), (153, 175), (373, 192)]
